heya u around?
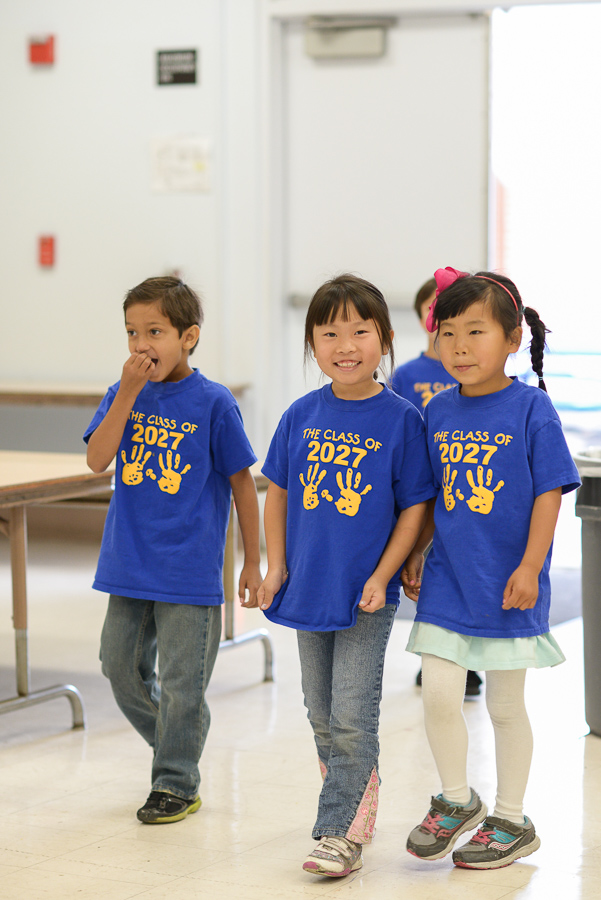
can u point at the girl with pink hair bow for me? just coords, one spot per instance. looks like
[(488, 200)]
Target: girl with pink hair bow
[(501, 464)]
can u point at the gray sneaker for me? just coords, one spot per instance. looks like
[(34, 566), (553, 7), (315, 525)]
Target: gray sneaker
[(497, 843), (436, 835), (334, 856)]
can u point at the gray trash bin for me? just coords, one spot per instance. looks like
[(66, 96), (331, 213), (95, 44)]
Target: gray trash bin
[(588, 507)]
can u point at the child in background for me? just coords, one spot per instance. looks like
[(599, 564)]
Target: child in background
[(181, 451), (502, 464), (349, 480), (418, 380)]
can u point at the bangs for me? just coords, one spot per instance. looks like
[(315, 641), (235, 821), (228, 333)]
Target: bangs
[(340, 304), (452, 303)]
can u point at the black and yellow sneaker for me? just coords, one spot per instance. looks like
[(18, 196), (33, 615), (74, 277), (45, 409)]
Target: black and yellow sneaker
[(162, 808), (497, 843)]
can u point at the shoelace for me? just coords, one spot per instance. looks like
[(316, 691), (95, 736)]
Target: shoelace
[(483, 836), (432, 823)]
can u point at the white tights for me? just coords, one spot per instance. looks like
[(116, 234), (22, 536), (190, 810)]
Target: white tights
[(443, 688)]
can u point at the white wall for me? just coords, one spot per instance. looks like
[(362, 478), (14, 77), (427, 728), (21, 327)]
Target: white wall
[(289, 8), (77, 146), (75, 162), (75, 158)]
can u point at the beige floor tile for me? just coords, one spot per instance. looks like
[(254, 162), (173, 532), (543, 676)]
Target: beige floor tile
[(7, 870), (546, 883), (193, 888), (393, 883), (64, 866), (251, 871), (131, 851), (36, 884), (69, 828), (221, 832), (47, 842)]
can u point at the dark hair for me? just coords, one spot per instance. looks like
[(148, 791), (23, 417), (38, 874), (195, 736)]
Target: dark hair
[(178, 302), (337, 296), (464, 292), (424, 293)]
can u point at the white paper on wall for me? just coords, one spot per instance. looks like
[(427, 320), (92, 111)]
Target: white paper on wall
[(180, 164)]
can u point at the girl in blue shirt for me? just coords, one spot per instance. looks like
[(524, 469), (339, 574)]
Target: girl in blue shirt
[(502, 464), (349, 480)]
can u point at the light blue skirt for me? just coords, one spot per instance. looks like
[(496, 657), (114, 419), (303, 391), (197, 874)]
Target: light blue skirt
[(480, 653)]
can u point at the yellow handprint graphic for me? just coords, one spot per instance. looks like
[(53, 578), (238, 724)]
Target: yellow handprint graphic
[(448, 480), (482, 498), (349, 501), (172, 479), (133, 472), (310, 498)]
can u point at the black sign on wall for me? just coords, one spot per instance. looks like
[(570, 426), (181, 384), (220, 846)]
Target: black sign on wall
[(176, 67)]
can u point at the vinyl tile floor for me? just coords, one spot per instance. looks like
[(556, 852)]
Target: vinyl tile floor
[(68, 827)]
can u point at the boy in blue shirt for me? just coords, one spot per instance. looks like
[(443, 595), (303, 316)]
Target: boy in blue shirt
[(419, 379), (181, 452)]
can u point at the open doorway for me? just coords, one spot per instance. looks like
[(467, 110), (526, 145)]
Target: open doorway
[(545, 198), (546, 189)]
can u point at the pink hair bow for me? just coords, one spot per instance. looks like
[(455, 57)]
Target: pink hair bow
[(444, 278)]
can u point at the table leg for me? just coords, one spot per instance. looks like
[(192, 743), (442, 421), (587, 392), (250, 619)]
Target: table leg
[(17, 533), (17, 529), (229, 589)]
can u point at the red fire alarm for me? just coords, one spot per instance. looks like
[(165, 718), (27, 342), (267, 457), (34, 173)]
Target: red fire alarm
[(46, 251), (41, 51)]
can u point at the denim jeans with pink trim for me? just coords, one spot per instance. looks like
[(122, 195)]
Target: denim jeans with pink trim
[(342, 683)]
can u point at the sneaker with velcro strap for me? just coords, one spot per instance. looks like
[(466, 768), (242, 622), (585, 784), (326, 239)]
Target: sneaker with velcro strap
[(163, 807), (335, 857), (497, 843), (444, 823)]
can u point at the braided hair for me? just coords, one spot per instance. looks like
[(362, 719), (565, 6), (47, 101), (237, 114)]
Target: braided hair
[(495, 290)]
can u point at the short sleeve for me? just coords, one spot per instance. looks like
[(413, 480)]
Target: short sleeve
[(276, 462), (230, 446), (101, 412), (551, 463), (413, 479)]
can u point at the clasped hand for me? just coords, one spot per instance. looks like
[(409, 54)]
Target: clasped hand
[(411, 575), (250, 580), (521, 590), (270, 586)]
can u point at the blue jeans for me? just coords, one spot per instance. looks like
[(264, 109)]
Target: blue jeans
[(342, 683), (171, 714)]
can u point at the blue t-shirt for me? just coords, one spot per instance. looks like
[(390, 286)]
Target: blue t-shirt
[(350, 467), (165, 530), (491, 456), (420, 379)]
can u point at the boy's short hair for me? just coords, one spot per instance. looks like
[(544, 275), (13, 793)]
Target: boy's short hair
[(424, 293), (178, 302)]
